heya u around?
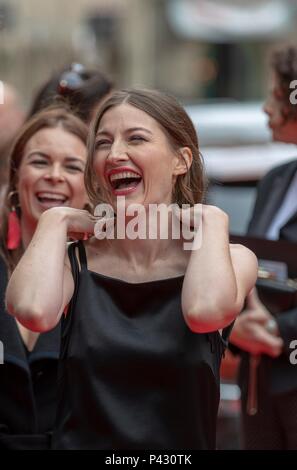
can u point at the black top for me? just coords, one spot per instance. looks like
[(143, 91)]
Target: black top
[(280, 375), (133, 375), (28, 383)]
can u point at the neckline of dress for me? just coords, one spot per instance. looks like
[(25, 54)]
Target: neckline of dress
[(153, 281)]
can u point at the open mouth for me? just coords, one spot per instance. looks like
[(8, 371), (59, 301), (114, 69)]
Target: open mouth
[(49, 199), (124, 180)]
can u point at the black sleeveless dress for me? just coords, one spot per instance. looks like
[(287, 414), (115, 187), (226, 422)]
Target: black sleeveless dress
[(132, 374), (28, 383)]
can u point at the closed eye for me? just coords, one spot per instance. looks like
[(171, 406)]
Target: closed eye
[(137, 138), (39, 162), (74, 168), (102, 143)]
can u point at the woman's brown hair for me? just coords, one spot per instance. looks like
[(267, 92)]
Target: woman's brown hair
[(52, 117), (165, 109)]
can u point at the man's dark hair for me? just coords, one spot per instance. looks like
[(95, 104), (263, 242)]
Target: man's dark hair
[(284, 64), (95, 86)]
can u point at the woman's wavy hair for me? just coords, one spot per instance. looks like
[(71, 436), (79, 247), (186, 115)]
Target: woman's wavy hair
[(175, 122), (52, 117)]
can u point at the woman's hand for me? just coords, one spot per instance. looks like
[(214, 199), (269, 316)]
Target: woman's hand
[(79, 223), (193, 218), (251, 332), (190, 217)]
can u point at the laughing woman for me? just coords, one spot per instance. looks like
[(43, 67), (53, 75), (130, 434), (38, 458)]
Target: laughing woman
[(146, 320), (46, 170)]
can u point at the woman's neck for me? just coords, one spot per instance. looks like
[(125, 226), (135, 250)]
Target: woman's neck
[(144, 252), (146, 242)]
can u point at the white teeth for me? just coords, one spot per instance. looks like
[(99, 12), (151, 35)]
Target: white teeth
[(124, 174), (53, 196)]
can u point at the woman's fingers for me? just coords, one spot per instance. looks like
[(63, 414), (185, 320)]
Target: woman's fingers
[(79, 235), (81, 222), (269, 344), (105, 228), (190, 217)]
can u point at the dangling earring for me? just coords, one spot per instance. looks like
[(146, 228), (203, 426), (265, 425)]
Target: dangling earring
[(14, 229)]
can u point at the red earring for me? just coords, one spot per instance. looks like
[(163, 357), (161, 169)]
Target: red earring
[(13, 230)]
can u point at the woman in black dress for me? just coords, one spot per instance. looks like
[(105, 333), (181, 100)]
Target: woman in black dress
[(145, 319), (46, 170)]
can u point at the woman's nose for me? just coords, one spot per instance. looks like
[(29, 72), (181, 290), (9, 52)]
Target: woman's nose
[(55, 173), (267, 107), (118, 152)]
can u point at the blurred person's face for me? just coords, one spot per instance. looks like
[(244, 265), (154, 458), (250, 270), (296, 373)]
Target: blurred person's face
[(51, 173), (11, 115), (283, 127), (134, 158)]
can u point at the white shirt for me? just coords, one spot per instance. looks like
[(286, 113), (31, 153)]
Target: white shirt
[(285, 212)]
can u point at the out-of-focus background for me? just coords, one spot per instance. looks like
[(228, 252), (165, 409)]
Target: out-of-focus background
[(212, 54), (198, 49)]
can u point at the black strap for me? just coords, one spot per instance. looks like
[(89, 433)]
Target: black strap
[(67, 320), (82, 255), (73, 262), (224, 336), (227, 331)]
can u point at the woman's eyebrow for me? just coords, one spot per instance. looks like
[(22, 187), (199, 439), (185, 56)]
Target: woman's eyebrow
[(37, 152), (133, 129), (130, 129), (74, 159), (102, 132)]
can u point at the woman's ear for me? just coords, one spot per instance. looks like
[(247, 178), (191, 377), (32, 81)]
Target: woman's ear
[(183, 161)]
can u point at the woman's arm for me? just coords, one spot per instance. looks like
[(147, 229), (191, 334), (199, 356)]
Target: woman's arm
[(41, 286), (219, 276)]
